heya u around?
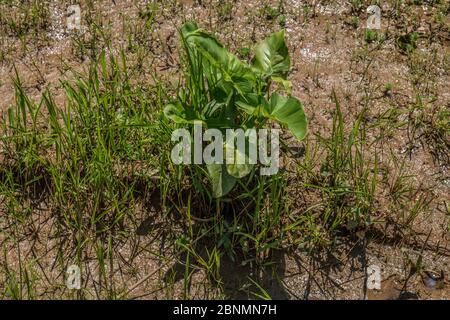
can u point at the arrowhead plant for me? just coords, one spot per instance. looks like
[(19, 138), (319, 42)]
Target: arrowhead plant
[(224, 92)]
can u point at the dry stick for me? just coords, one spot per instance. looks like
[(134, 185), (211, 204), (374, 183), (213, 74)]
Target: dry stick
[(137, 284)]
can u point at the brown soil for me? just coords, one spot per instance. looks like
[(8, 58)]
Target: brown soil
[(327, 54)]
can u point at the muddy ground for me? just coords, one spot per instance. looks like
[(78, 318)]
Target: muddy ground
[(330, 52)]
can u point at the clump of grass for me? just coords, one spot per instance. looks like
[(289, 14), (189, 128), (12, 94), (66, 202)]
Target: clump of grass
[(347, 179), (354, 22), (90, 161), (370, 36), (430, 126), (407, 43), (224, 10), (282, 20), (21, 19), (272, 12), (356, 5)]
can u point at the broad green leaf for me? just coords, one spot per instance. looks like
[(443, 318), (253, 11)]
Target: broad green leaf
[(253, 103), (239, 170), (272, 56), (222, 182), (248, 103), (289, 111), (232, 70), (179, 113), (223, 115)]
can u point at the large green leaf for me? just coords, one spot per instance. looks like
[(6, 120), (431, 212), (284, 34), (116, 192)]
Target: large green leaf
[(289, 111), (238, 169), (249, 102), (253, 103), (179, 113), (222, 182), (272, 56), (232, 70)]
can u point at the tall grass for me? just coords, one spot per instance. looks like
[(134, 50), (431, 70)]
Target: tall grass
[(96, 164)]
